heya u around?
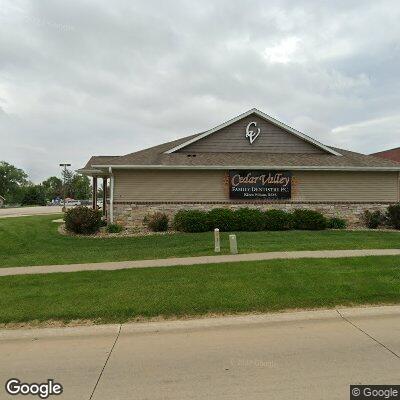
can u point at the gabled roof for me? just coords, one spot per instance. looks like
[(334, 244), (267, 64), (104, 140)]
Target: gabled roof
[(390, 154), (164, 156), (157, 158), (99, 160), (385, 151), (261, 115), (89, 169)]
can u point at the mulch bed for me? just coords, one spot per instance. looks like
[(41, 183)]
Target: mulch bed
[(127, 232)]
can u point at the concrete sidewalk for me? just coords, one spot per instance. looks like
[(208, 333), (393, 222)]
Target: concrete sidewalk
[(298, 355), (170, 262)]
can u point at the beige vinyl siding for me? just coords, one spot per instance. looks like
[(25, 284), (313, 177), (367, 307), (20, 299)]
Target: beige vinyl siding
[(192, 185), (346, 186), (272, 139), (156, 185)]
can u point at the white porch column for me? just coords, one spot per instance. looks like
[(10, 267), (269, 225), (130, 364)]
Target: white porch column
[(111, 196)]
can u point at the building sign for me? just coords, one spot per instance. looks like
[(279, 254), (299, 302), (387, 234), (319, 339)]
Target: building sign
[(251, 134), (260, 185)]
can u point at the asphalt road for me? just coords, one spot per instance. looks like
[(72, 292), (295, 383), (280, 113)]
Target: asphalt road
[(307, 355), (25, 211)]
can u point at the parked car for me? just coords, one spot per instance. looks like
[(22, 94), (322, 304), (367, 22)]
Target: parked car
[(72, 202)]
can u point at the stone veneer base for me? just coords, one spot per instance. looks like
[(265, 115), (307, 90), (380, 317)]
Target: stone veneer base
[(132, 214)]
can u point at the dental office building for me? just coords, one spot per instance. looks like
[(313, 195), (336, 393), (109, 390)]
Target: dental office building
[(252, 160)]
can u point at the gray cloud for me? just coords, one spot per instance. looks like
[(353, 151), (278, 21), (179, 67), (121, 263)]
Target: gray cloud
[(100, 77)]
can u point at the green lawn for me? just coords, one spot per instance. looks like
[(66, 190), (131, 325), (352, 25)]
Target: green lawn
[(262, 286), (35, 241)]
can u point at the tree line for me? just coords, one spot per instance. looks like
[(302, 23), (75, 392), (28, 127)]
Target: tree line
[(16, 187)]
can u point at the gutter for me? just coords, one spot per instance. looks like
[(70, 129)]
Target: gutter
[(254, 167), (89, 172)]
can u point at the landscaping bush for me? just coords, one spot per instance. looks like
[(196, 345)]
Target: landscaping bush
[(114, 228), (374, 219), (277, 220), (191, 221), (336, 223), (222, 218), (82, 220), (308, 220), (157, 222), (393, 216), (103, 222), (247, 219)]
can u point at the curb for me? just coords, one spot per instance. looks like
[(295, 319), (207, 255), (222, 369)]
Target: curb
[(133, 328)]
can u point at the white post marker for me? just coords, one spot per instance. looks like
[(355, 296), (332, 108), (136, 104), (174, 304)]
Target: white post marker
[(233, 244), (217, 246)]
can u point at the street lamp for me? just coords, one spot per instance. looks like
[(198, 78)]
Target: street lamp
[(65, 165)]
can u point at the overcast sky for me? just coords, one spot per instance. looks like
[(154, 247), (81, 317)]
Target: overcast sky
[(82, 78)]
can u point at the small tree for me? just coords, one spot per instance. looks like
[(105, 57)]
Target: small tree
[(12, 182), (52, 187), (80, 187), (33, 196), (76, 186), (67, 176)]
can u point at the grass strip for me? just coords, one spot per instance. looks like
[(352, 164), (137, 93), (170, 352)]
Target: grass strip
[(262, 286), (34, 240)]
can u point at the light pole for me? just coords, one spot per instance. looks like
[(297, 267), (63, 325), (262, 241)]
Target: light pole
[(65, 165)]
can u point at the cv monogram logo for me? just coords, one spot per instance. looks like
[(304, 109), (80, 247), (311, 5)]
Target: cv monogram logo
[(250, 134)]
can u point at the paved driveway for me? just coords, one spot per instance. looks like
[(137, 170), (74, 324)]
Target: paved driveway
[(24, 211), (306, 355)]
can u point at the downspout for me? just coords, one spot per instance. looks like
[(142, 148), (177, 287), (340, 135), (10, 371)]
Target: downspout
[(398, 187), (111, 195)]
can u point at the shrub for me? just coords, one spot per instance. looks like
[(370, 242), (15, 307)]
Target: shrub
[(157, 222), (114, 228), (336, 223), (103, 222), (374, 219), (308, 220), (221, 218), (277, 220), (393, 216), (82, 220), (249, 220), (191, 221)]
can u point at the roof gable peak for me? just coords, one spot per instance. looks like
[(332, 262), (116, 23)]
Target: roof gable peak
[(262, 115)]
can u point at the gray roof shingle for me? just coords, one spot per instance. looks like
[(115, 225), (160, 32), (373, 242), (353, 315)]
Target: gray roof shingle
[(94, 160), (156, 156)]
